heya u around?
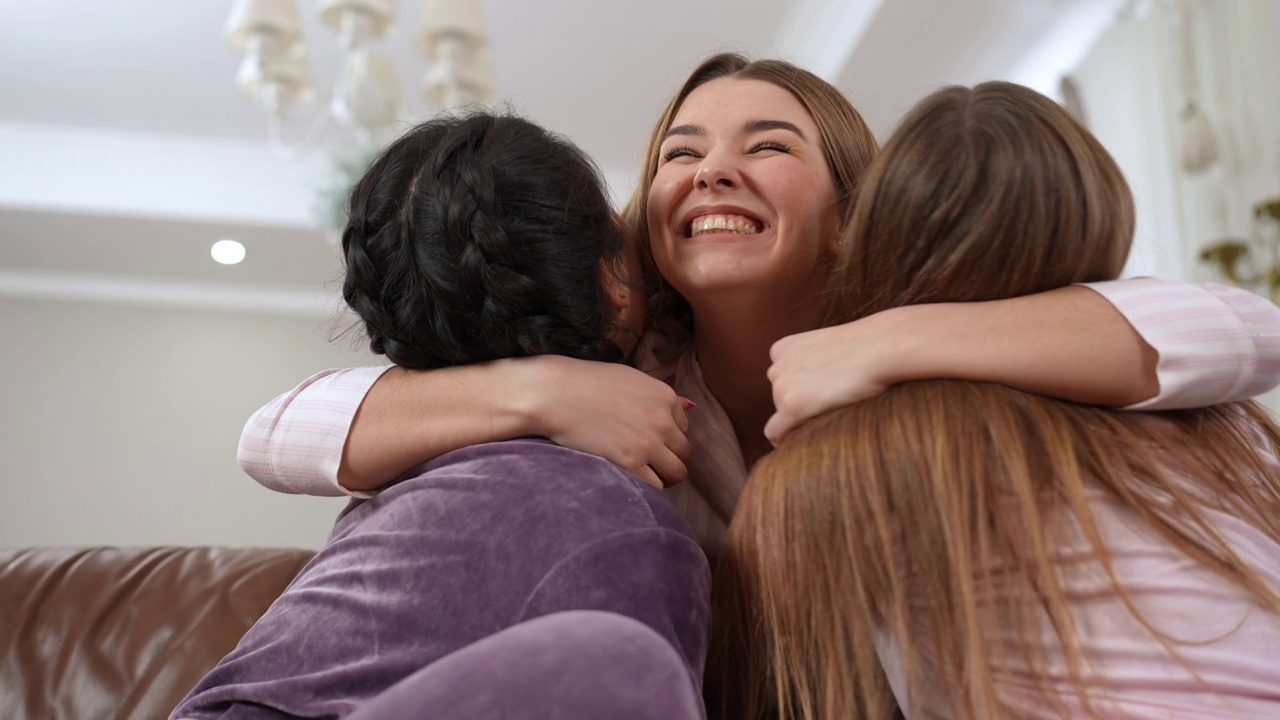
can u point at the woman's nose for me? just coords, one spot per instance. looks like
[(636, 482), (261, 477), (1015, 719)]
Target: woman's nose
[(715, 173)]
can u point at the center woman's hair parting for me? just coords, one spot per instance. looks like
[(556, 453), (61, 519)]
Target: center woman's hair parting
[(929, 517), (481, 237)]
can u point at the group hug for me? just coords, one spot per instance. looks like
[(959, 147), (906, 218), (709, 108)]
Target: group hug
[(810, 428)]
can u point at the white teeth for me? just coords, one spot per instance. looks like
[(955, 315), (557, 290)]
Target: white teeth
[(735, 224)]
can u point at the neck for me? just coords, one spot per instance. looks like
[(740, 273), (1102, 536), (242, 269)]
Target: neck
[(733, 340)]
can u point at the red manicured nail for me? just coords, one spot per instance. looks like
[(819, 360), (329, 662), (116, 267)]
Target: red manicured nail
[(687, 403)]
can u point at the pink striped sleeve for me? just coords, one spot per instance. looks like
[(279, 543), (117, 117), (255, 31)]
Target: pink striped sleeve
[(1216, 343), (294, 443)]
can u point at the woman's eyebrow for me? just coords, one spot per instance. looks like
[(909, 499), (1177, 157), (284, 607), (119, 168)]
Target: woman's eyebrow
[(685, 130), (755, 126), (751, 126)]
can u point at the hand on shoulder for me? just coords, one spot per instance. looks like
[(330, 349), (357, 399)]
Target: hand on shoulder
[(821, 370), (613, 411), (830, 368)]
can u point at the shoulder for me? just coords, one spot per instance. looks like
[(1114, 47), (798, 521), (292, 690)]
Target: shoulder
[(522, 455), (529, 481)]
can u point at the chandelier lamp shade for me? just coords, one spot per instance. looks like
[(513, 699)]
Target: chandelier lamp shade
[(275, 71), (253, 19), (455, 37), (359, 21)]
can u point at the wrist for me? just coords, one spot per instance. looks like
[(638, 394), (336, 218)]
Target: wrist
[(524, 402), (907, 345)]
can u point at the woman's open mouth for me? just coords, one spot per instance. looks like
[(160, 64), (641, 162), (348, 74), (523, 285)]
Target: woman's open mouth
[(723, 223)]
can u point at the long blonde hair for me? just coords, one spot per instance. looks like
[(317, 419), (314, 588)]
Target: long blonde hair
[(847, 145), (930, 514)]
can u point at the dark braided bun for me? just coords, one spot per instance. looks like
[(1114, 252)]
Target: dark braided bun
[(479, 238)]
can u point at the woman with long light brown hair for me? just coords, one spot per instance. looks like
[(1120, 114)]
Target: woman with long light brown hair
[(966, 550)]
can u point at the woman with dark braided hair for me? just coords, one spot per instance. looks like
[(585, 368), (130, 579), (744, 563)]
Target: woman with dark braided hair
[(515, 579), (475, 240)]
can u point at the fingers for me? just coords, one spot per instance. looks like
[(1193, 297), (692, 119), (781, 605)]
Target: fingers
[(679, 445), (777, 428), (668, 461), (658, 449), (669, 466), (779, 348), (675, 438), (647, 474), (680, 415)]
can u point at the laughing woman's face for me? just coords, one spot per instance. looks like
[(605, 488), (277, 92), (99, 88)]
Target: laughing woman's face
[(743, 200)]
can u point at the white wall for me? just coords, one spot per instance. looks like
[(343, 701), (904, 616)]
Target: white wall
[(1133, 95), (121, 422), (1128, 112), (1131, 83)]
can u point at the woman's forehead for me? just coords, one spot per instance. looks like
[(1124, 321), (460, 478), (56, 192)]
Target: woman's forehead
[(731, 103)]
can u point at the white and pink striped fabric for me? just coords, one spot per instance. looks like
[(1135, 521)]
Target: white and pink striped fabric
[(294, 443), (1216, 344)]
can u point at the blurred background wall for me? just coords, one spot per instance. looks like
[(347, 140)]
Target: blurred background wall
[(121, 423)]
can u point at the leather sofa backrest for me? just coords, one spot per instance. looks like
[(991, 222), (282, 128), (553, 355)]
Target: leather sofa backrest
[(124, 634)]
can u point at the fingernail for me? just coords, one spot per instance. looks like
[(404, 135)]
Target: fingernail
[(687, 403)]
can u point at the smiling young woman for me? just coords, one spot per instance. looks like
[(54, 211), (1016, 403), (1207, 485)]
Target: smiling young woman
[(484, 578), (744, 152)]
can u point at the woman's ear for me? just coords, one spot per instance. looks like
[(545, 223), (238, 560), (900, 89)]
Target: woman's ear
[(835, 242), (837, 238), (616, 284), (627, 302)]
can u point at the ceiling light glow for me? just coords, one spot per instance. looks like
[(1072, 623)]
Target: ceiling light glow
[(227, 252)]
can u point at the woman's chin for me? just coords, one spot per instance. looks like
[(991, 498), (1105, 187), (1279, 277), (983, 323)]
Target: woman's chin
[(718, 284)]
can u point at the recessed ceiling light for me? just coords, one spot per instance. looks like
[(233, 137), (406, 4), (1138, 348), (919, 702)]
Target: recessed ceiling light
[(227, 252)]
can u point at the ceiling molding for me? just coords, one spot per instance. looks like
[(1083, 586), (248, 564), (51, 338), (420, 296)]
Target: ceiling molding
[(822, 35), (82, 170), (140, 291)]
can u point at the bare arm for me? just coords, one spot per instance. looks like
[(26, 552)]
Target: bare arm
[(356, 430), (614, 411), (1146, 342), (1069, 343)]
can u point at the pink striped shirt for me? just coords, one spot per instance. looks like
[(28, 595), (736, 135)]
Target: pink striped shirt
[(1215, 343)]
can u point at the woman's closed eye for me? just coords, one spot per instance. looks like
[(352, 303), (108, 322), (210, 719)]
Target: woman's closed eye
[(764, 146), (678, 152), (770, 145)]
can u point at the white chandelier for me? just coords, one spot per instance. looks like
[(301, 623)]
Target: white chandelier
[(452, 35)]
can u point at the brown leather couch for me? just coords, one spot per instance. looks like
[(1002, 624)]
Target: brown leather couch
[(124, 634)]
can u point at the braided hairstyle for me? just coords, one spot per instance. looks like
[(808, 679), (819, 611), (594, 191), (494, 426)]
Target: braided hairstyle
[(481, 237)]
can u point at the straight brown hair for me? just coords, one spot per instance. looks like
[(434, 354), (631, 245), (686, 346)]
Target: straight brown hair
[(930, 514)]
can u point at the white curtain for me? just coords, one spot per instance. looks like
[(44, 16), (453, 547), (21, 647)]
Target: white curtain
[(1131, 85)]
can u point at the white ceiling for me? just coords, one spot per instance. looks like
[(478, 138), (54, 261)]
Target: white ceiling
[(125, 150)]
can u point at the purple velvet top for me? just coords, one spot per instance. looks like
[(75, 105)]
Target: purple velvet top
[(476, 541)]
